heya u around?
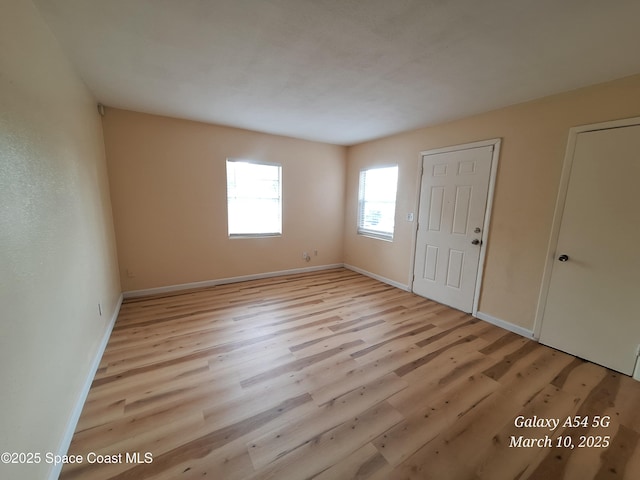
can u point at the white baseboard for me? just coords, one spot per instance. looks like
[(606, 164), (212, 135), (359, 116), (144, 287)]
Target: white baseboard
[(222, 281), (525, 332), (380, 278), (72, 423)]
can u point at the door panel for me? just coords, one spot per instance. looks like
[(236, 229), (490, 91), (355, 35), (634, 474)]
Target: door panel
[(431, 263), (591, 306), (461, 210), (437, 202), (453, 201), (454, 273)]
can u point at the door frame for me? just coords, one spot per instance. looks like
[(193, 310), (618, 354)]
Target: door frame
[(559, 209), (496, 143)]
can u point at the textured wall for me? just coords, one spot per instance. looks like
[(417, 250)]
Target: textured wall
[(534, 140), (57, 247), (168, 188)]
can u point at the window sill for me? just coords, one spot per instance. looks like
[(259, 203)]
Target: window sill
[(254, 235), (375, 236)]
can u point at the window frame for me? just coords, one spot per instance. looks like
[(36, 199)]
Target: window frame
[(280, 176), (368, 232)]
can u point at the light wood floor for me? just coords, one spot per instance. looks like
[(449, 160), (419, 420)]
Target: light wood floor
[(333, 375)]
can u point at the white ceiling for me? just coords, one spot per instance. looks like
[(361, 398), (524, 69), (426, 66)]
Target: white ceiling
[(341, 71)]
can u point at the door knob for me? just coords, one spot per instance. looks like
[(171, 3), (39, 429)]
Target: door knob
[(563, 258), (475, 241)]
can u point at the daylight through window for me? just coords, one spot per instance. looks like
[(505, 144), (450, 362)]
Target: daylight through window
[(254, 198), (377, 202)]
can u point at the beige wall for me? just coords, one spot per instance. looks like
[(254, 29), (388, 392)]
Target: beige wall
[(534, 139), (168, 189), (57, 248)]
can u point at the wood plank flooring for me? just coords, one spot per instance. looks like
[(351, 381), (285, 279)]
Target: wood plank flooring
[(333, 375)]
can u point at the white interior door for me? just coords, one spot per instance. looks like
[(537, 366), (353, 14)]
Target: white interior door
[(591, 306), (453, 201)]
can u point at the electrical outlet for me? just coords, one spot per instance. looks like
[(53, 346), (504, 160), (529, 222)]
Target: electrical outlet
[(305, 255), (410, 217)]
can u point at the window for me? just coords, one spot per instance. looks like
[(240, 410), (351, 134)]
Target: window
[(254, 198), (377, 202)]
